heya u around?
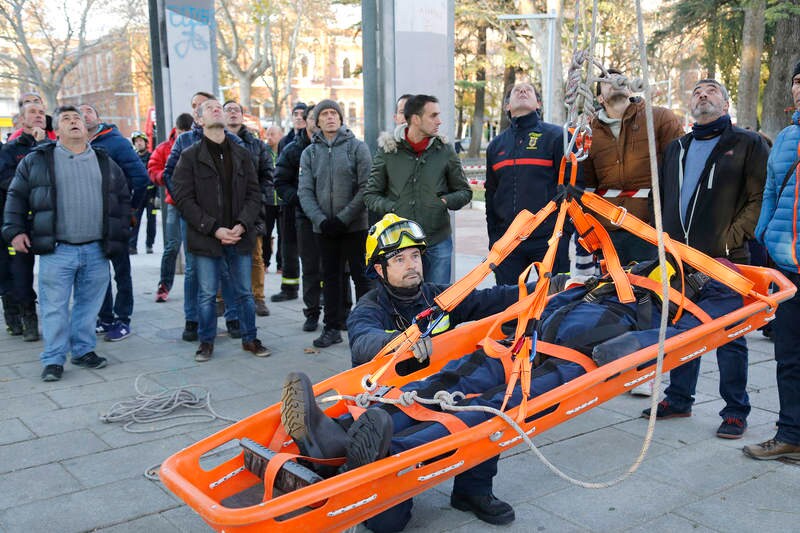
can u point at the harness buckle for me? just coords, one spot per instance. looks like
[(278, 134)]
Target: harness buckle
[(619, 216)]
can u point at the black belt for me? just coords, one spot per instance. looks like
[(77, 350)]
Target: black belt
[(78, 243)]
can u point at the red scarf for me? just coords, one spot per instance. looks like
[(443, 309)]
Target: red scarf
[(418, 147)]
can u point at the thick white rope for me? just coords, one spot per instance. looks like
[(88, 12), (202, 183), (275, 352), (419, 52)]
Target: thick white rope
[(149, 409)]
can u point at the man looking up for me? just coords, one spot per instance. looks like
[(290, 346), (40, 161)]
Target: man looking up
[(217, 192), (522, 173), (712, 181), (417, 175), (69, 203)]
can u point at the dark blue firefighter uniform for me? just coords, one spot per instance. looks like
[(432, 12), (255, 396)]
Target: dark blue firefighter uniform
[(484, 375)]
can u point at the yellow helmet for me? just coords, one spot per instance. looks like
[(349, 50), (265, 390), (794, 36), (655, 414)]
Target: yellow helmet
[(393, 233)]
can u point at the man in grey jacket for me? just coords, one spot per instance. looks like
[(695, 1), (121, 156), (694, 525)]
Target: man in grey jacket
[(333, 174)]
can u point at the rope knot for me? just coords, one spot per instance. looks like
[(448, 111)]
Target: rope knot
[(407, 398), (363, 400)]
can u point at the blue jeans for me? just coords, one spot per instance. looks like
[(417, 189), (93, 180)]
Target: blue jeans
[(122, 307), (436, 262), (732, 363), (787, 355), (209, 270), (172, 245), (77, 270), (190, 287)]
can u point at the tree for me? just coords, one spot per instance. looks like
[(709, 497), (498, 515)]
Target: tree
[(480, 93), (785, 54), (244, 42), (750, 70), (44, 55)]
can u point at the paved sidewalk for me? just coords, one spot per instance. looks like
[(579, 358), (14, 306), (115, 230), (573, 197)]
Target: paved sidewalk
[(63, 469)]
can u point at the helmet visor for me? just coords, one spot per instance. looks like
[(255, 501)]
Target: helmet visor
[(391, 237)]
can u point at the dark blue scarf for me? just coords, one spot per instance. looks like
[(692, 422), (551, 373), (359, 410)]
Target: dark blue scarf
[(712, 129)]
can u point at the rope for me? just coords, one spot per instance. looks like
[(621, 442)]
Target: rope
[(151, 408)]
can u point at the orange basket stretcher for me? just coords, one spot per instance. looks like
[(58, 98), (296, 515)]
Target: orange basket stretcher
[(342, 501)]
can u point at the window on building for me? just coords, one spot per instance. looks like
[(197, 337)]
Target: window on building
[(351, 113), (304, 67), (110, 68), (346, 68)]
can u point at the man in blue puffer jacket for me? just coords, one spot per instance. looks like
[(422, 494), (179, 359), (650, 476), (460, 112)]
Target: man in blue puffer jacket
[(777, 229)]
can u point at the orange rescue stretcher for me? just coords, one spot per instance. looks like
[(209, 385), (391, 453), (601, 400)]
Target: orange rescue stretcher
[(334, 504)]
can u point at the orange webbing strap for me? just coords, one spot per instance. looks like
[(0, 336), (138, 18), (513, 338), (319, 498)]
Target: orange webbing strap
[(399, 344), (613, 265), (275, 464), (567, 354), (419, 412), (520, 229), (700, 261), (279, 438), (674, 296)]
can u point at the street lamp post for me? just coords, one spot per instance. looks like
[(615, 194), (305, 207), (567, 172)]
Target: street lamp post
[(136, 103)]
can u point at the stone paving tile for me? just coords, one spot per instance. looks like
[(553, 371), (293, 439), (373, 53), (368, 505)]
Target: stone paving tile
[(123, 463), (13, 430), (28, 405), (760, 504), (121, 501), (45, 450), (152, 524), (186, 520), (58, 420), (674, 524), (30, 383), (33, 484), (108, 391)]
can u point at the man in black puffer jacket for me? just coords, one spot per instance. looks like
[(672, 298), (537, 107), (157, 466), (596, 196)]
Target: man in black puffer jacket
[(69, 203)]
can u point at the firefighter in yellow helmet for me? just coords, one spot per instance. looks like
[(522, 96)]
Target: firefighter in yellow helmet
[(394, 251)]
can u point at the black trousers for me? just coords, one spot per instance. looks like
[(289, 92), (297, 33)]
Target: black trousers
[(16, 275), (337, 252), (290, 258), (271, 219), (311, 260)]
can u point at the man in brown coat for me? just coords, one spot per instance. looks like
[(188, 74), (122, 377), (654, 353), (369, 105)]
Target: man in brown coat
[(619, 160)]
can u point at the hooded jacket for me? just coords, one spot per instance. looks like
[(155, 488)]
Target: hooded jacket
[(779, 222), (11, 154), (109, 138), (724, 208), (333, 175), (287, 169), (413, 187), (31, 204), (158, 160)]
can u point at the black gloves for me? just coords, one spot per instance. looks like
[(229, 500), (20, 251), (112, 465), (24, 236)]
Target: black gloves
[(333, 227)]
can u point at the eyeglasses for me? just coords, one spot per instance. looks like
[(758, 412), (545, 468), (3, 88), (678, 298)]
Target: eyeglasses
[(391, 237), (232, 109)]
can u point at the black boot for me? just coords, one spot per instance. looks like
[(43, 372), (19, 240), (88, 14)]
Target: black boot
[(286, 294), (486, 507), (30, 322), (11, 312), (369, 438), (315, 433)]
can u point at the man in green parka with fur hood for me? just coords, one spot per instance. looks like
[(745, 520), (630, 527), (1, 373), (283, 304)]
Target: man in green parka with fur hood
[(417, 175)]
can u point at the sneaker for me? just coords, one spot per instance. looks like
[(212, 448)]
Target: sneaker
[(256, 348), (52, 372), (103, 327), (368, 439), (234, 329), (162, 293), (149, 249), (190, 331), (284, 295), (204, 352), (90, 360), (120, 331), (732, 427), (644, 389), (485, 506), (772, 449), (311, 323), (329, 336), (666, 410), (261, 308)]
